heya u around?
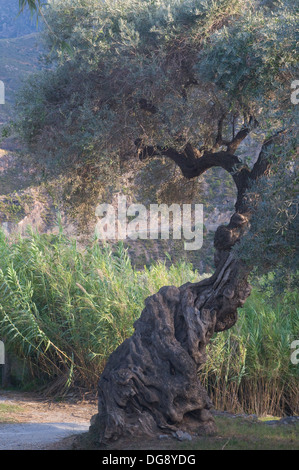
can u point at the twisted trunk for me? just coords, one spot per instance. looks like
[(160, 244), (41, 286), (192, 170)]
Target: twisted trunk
[(150, 383)]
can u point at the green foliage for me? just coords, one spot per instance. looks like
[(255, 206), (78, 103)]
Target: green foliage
[(161, 51), (196, 61), (33, 5), (274, 200), (254, 56), (249, 367), (65, 310)]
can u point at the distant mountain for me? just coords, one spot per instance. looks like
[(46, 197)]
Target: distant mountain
[(12, 24), (19, 51)]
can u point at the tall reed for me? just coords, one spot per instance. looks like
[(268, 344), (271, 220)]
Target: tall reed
[(64, 310), (249, 367)]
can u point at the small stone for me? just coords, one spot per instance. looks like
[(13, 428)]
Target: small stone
[(182, 436), (163, 436)]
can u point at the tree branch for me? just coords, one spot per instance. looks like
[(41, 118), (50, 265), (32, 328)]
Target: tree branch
[(232, 145), (189, 161), (193, 165)]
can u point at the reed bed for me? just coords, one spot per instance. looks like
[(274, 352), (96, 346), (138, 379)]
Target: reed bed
[(64, 310)]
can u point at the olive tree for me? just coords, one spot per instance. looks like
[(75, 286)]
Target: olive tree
[(188, 81)]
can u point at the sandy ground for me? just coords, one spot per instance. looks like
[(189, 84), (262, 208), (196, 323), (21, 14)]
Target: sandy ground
[(38, 424)]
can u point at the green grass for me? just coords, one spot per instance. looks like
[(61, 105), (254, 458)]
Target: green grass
[(7, 412), (232, 433), (240, 434)]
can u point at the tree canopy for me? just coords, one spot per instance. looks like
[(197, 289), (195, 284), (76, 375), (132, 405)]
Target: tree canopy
[(170, 73), (186, 80)]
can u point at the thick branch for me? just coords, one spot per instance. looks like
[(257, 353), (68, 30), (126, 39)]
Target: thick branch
[(189, 161), (193, 165)]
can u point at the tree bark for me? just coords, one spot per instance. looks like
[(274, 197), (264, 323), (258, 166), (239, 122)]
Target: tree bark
[(150, 383)]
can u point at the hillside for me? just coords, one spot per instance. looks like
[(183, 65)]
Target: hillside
[(19, 58), (12, 24)]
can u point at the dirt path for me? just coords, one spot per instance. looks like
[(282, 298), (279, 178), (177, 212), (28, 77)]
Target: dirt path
[(28, 422)]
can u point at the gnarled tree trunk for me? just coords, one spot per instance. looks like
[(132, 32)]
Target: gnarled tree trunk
[(150, 384)]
